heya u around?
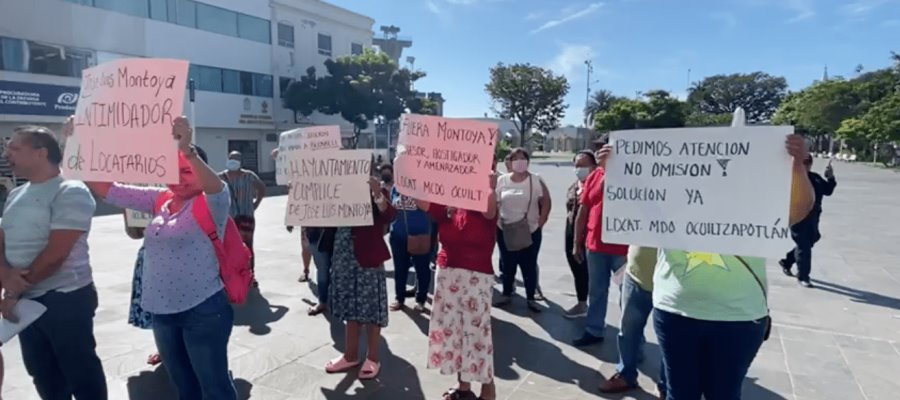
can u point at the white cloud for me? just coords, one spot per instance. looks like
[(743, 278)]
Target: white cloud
[(802, 9), (433, 7), (861, 7), (570, 59), (564, 19), (535, 15), (727, 19)]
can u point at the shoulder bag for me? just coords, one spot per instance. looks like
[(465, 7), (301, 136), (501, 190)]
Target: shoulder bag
[(417, 245), (517, 235), (768, 318)]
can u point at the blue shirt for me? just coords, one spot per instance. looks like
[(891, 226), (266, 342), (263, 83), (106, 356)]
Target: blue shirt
[(408, 212), (181, 269), (31, 212)]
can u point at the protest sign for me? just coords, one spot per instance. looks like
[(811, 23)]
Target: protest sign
[(123, 122), (721, 190), (137, 219), (445, 161), (311, 138), (329, 188)]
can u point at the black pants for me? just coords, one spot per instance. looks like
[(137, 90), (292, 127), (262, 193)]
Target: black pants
[(59, 350), (802, 256), (579, 269), (525, 259)]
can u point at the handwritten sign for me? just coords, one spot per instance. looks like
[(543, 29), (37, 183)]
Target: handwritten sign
[(329, 188), (123, 122), (445, 161), (311, 138), (721, 190), (137, 219)]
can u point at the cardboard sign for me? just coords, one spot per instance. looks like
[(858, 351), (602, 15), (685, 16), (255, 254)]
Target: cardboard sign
[(123, 122), (720, 190), (445, 161), (311, 138), (329, 188), (137, 219)]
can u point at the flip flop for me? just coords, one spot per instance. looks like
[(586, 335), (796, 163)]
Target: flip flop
[(339, 365), (369, 370), (304, 278), (154, 359), (456, 394)]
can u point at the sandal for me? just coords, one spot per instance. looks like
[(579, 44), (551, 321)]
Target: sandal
[(304, 278), (456, 394), (369, 370), (396, 306), (534, 307), (154, 359), (319, 309), (339, 365), (419, 307)]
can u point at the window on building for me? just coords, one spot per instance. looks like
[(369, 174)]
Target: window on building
[(12, 55), (82, 2), (186, 13), (256, 29), (231, 80), (57, 60), (262, 85), (285, 35), (215, 19), (247, 83), (137, 8), (159, 9), (356, 49), (210, 79), (325, 45), (283, 84)]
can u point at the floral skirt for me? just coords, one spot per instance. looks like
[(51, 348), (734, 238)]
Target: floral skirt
[(356, 294), (136, 315), (459, 338)]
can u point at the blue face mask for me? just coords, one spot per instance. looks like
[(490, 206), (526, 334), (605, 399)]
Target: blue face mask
[(582, 173)]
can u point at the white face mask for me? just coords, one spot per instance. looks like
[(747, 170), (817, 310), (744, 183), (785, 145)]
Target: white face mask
[(233, 165), (582, 173), (519, 166)]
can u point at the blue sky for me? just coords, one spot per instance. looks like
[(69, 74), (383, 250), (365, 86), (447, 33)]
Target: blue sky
[(635, 45)]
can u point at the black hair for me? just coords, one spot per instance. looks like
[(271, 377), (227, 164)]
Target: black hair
[(384, 167), (201, 153), (587, 153), (40, 137), (518, 151)]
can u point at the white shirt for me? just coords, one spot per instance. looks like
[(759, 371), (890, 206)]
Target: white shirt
[(513, 197)]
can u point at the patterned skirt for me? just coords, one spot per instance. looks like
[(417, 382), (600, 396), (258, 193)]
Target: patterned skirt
[(356, 294), (136, 315)]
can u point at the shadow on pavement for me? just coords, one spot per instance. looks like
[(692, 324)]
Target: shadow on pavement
[(859, 296), (155, 385), (398, 379), (257, 313)]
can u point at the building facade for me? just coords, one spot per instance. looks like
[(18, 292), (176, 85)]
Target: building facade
[(241, 52)]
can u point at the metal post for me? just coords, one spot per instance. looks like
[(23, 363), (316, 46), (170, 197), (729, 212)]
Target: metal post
[(587, 97), (191, 95)]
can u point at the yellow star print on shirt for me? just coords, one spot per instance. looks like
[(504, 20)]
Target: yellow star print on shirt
[(696, 259)]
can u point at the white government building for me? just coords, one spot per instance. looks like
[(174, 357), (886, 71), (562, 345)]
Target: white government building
[(243, 53)]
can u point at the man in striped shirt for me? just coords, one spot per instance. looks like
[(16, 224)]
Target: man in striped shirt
[(247, 192)]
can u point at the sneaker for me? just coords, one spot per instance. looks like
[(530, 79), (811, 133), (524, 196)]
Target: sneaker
[(534, 306), (419, 307), (806, 284), (616, 384), (503, 301), (578, 311), (587, 340), (785, 268)]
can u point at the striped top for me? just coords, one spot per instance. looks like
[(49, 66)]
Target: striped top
[(243, 192)]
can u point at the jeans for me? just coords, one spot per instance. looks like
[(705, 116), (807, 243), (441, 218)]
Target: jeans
[(706, 358), (600, 269), (402, 261), (802, 256), (59, 350), (323, 273), (194, 346), (525, 259), (637, 304)]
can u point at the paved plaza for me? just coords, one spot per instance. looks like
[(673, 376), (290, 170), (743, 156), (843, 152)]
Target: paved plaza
[(838, 341)]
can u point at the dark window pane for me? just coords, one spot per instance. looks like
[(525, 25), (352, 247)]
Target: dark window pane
[(12, 55), (232, 81), (137, 8), (159, 10), (215, 19), (356, 49), (210, 79), (324, 45), (82, 2), (262, 85), (172, 6), (247, 83), (256, 29), (286, 35), (194, 73), (283, 84), (57, 60), (187, 13)]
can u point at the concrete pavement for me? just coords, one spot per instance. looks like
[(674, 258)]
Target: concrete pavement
[(838, 341)]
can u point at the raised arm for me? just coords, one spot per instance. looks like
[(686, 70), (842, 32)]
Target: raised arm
[(803, 196), (209, 179), (544, 204)]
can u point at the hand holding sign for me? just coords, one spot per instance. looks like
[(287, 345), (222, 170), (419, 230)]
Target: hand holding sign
[(183, 134), (796, 147)]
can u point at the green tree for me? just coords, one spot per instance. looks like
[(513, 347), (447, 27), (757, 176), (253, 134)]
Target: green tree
[(656, 109), (529, 96), (758, 93), (698, 119), (600, 101), (664, 111), (359, 88), (820, 108), (625, 114)]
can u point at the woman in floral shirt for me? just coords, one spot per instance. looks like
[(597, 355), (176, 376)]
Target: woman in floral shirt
[(459, 338)]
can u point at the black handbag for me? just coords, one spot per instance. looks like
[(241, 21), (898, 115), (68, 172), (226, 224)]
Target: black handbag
[(768, 319)]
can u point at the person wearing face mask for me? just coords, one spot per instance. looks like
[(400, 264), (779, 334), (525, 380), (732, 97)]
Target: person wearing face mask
[(247, 192), (524, 209), (585, 163), (182, 286)]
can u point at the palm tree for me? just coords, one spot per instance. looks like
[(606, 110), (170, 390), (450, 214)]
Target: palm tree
[(600, 101)]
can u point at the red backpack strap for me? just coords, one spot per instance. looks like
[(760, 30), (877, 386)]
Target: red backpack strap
[(203, 216), (161, 201)]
